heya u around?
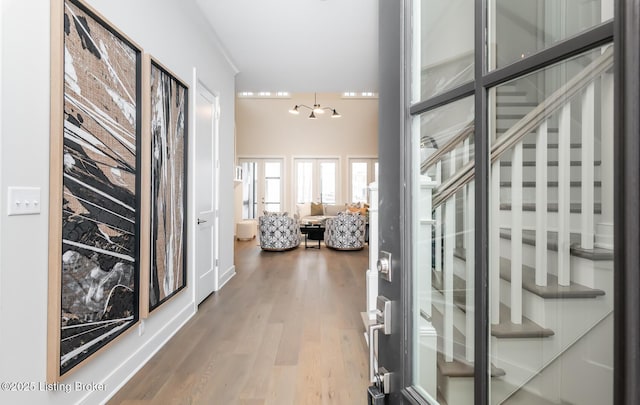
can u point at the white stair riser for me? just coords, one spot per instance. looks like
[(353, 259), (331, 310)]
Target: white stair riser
[(529, 194), (529, 173), (456, 390), (583, 271), (559, 315), (529, 220)]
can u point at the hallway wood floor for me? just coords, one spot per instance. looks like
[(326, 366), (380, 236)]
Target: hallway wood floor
[(285, 330)]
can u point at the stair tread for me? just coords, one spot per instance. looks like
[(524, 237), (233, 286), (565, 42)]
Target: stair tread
[(552, 289), (504, 329), (526, 329), (516, 103), (550, 163), (574, 208), (529, 238), (458, 367), (528, 184)]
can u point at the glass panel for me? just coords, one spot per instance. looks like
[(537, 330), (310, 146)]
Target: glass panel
[(359, 184), (551, 234), (443, 46), (328, 182), (249, 201), (304, 182), (272, 191), (443, 258), (272, 169), (518, 29)]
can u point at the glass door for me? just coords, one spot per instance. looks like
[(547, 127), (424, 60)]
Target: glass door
[(499, 285), (262, 188), (317, 180)]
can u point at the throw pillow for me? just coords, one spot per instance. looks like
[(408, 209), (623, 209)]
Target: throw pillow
[(303, 210), (317, 209), (332, 209)]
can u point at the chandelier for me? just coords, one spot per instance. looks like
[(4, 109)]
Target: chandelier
[(316, 109)]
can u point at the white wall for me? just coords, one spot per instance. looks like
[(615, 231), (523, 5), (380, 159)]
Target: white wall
[(265, 128), (175, 34)]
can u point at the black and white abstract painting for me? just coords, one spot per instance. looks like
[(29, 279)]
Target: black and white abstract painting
[(100, 207), (168, 185)]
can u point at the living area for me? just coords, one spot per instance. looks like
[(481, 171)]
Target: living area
[(311, 171)]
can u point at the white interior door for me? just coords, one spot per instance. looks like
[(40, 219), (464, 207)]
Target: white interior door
[(205, 194)]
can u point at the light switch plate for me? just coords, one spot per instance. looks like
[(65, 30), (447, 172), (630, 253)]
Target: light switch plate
[(23, 201)]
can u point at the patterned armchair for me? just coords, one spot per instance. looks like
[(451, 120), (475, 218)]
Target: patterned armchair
[(345, 231), (278, 231)]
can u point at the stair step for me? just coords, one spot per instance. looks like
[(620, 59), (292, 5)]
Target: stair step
[(550, 163), (509, 330), (552, 289), (574, 208), (458, 367), (529, 238), (505, 329), (531, 184), (550, 146), (516, 103)]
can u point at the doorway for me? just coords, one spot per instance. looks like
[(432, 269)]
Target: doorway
[(262, 190), (206, 192)]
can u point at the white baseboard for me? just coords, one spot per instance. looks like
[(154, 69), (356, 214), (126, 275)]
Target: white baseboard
[(226, 276), (127, 369)]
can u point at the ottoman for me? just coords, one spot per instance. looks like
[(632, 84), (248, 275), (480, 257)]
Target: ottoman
[(246, 229)]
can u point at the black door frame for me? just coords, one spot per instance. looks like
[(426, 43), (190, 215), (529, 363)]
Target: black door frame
[(394, 206)]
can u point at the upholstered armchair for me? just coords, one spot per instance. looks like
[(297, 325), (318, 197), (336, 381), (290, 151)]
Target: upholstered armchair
[(278, 231), (345, 231)]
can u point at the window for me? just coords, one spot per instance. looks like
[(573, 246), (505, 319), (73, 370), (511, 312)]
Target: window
[(317, 180), (363, 172)]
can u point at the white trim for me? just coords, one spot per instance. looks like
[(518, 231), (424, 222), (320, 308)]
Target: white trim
[(226, 276), (134, 363)]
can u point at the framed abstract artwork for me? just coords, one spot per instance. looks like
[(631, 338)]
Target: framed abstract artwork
[(95, 204), (168, 157)]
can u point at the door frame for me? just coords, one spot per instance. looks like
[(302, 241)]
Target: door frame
[(197, 86)]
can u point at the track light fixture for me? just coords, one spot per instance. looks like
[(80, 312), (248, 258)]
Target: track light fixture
[(316, 109)]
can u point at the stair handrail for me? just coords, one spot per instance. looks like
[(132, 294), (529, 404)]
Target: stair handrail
[(528, 123), (448, 147)]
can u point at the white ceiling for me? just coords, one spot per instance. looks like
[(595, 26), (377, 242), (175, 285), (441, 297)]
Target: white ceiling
[(299, 45)]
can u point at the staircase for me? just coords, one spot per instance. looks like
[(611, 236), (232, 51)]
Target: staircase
[(551, 259)]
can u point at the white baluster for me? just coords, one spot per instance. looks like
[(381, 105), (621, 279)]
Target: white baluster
[(424, 243), (470, 273), (516, 235), (468, 224), (438, 233), (449, 247), (588, 144), (372, 273), (541, 204), (449, 243), (604, 233), (564, 189), (494, 244)]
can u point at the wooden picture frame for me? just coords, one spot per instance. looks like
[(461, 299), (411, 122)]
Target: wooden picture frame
[(168, 150), (95, 202)]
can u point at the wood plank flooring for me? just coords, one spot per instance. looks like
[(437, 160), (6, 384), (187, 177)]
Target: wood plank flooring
[(285, 330)]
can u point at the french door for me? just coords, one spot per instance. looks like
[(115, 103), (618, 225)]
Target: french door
[(262, 186), (317, 180), (501, 137)]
